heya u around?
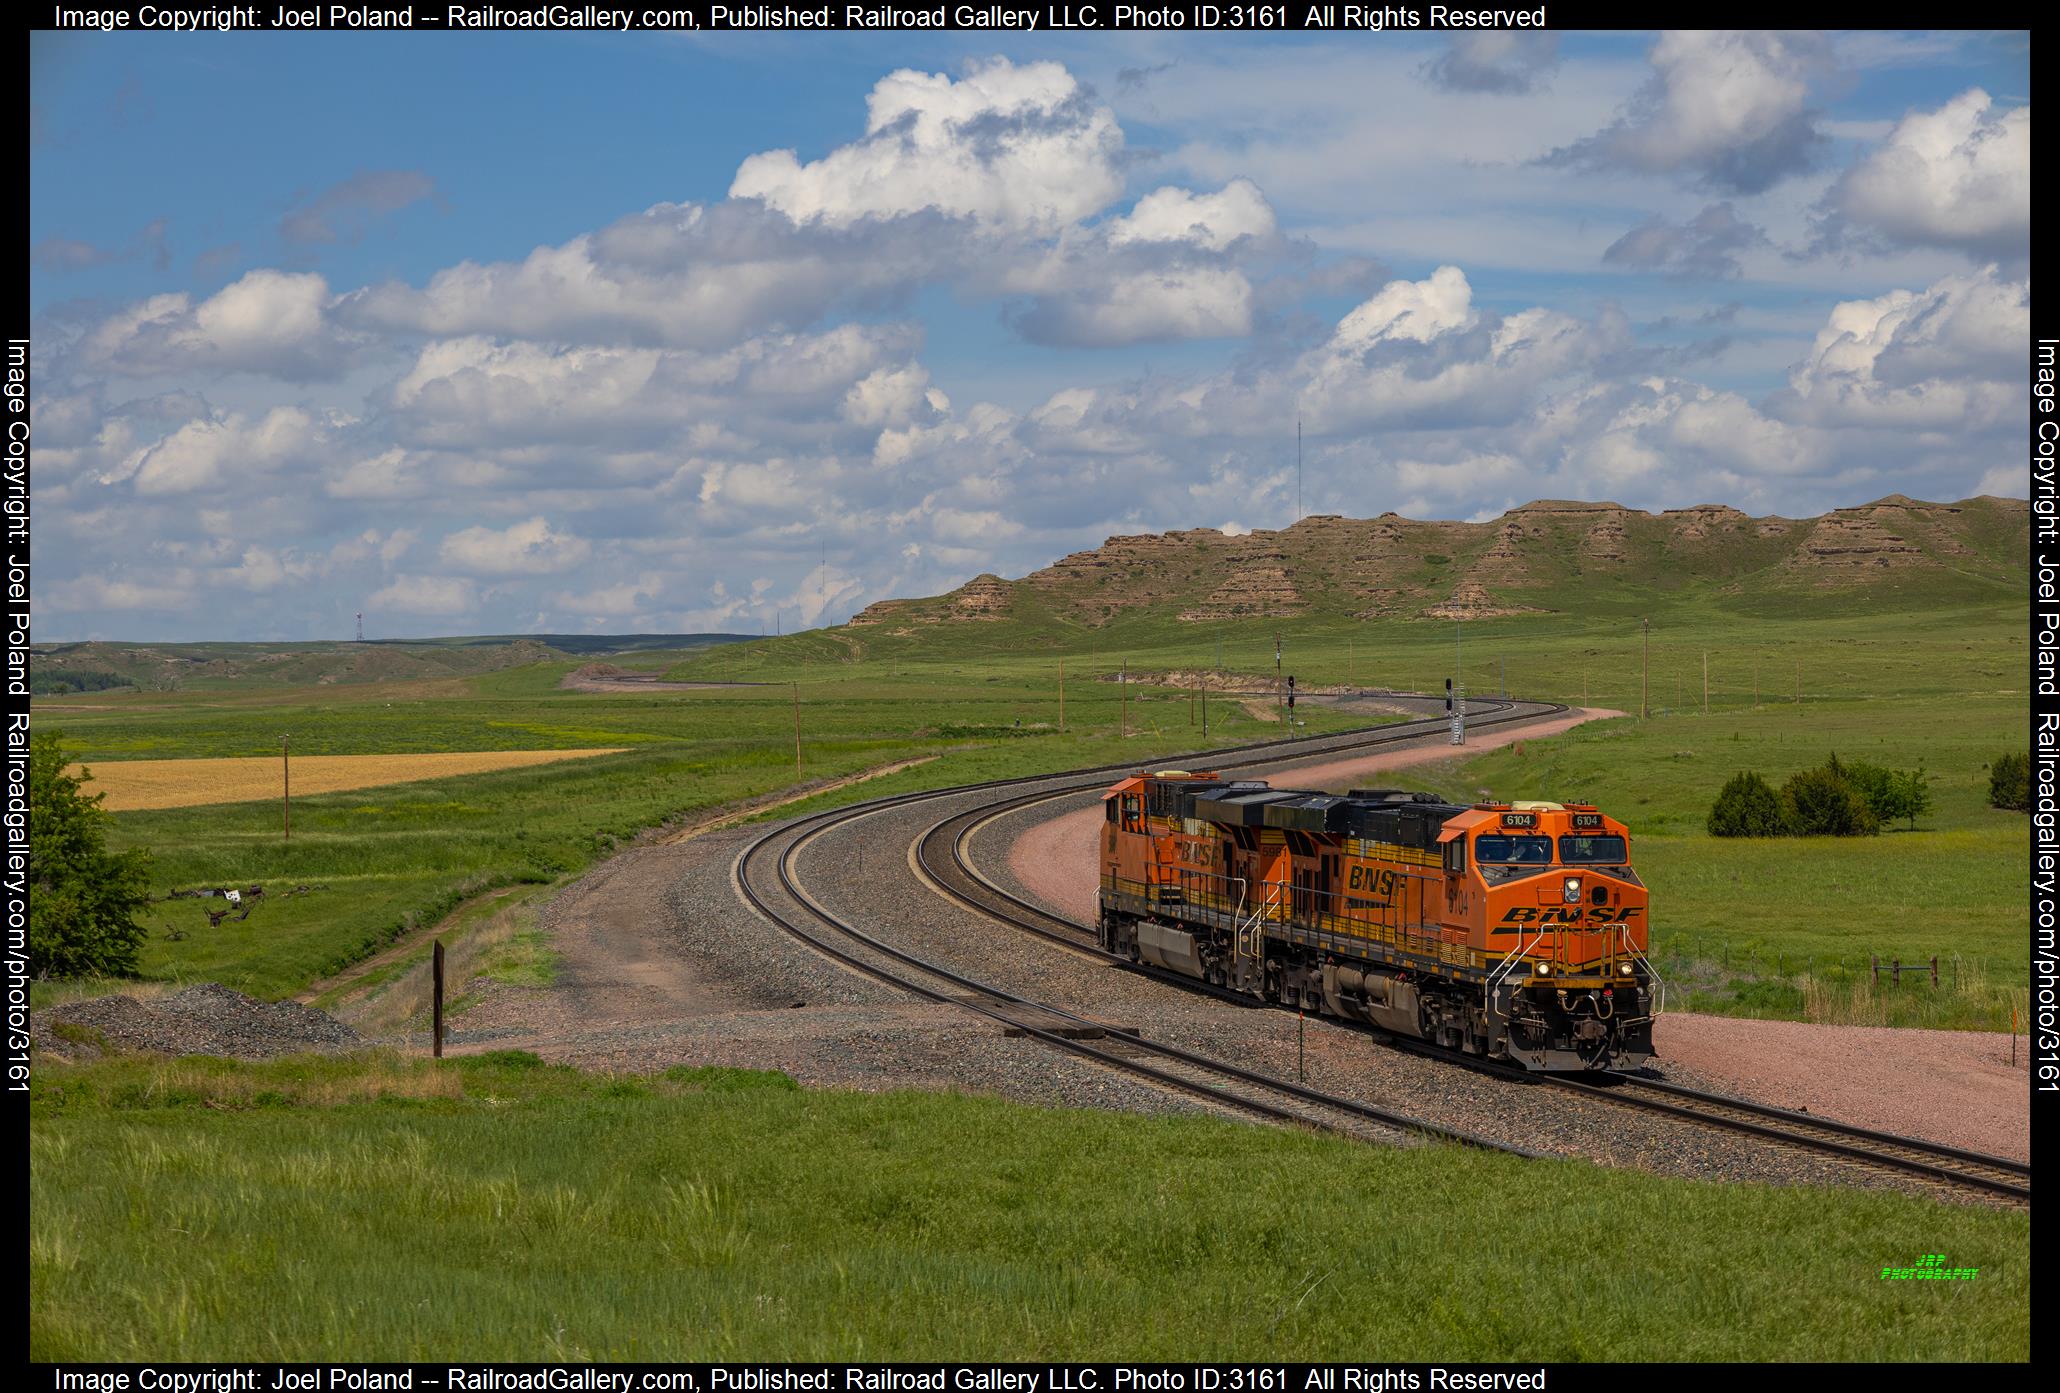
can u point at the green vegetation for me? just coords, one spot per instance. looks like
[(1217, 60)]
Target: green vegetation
[(1903, 669), (2009, 782), (498, 1208), (84, 899), (1746, 807)]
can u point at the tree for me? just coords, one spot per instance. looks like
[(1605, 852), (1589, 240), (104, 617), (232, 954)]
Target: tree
[(1746, 807), (1891, 793), (83, 899), (2009, 782), (1821, 802)]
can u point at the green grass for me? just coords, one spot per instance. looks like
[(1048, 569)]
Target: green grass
[(1943, 686), (497, 1208)]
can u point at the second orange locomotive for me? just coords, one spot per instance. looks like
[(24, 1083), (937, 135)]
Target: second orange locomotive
[(1514, 931)]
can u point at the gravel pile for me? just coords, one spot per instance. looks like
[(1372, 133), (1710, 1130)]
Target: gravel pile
[(207, 1019)]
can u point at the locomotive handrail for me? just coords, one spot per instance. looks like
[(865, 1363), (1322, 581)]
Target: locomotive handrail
[(1505, 968)]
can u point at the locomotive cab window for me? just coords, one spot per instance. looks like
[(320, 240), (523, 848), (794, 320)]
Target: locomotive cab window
[(1518, 851), (1602, 851), (1455, 855)]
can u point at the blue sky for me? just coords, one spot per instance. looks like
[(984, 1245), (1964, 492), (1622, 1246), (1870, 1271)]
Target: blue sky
[(505, 331)]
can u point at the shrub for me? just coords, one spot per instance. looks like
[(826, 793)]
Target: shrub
[(83, 899), (1746, 807), (1822, 802), (2009, 782), (1890, 793)]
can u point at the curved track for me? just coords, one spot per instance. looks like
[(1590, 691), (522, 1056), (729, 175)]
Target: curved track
[(765, 877), (942, 852)]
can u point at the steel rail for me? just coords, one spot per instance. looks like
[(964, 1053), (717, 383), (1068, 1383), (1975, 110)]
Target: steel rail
[(800, 833), (1931, 1160)]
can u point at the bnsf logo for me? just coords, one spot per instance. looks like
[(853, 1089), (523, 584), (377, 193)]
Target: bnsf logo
[(1558, 914), (1372, 880)]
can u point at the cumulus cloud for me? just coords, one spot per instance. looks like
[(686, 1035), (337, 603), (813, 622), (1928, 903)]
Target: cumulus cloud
[(222, 452), (526, 548), (274, 323), (1706, 246), (425, 595), (1503, 61), (1958, 178), (1021, 147), (1209, 220), (1729, 110), (1949, 356)]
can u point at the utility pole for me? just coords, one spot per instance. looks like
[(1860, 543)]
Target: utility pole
[(1298, 469), (1205, 713), (1062, 696), (797, 730), (286, 777), (1276, 671), (1645, 671), (1193, 687)]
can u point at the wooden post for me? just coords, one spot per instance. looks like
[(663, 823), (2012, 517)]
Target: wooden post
[(1192, 687), (436, 1000), (1123, 695), (286, 777), (1062, 696), (797, 730), (1205, 713), (1705, 681), (1301, 1030)]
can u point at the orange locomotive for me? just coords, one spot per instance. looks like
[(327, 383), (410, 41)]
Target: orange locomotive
[(1515, 931)]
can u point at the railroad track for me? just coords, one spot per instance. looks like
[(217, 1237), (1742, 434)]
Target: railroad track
[(944, 858), (764, 875)]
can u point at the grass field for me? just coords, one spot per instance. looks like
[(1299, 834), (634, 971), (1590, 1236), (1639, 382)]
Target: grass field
[(1771, 928), (189, 783), (496, 1208)]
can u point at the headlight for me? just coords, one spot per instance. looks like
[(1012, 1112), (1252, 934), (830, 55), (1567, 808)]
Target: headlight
[(1623, 969), (1573, 889), (1544, 969)]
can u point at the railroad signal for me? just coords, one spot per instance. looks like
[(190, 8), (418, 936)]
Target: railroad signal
[(1291, 694), (1448, 696)]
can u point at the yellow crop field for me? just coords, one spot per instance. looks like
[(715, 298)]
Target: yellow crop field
[(187, 783)]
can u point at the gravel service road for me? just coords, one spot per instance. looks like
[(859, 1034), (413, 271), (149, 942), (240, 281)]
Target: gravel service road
[(1955, 1087), (662, 965)]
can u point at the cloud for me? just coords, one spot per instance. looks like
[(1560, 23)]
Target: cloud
[(1704, 247), (1020, 147), (346, 211), (62, 254), (1949, 357), (1729, 110), (434, 595), (1958, 178), (273, 323), (1207, 220), (526, 548), (1503, 62), (221, 452)]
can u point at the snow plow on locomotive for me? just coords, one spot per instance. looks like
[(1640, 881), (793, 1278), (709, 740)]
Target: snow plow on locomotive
[(1513, 931)]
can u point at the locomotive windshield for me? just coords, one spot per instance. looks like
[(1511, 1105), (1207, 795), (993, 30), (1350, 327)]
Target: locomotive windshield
[(1594, 851), (1518, 851)]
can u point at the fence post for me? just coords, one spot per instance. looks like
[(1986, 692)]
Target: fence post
[(1875, 959), (1895, 973), (436, 1001), (1934, 969)]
